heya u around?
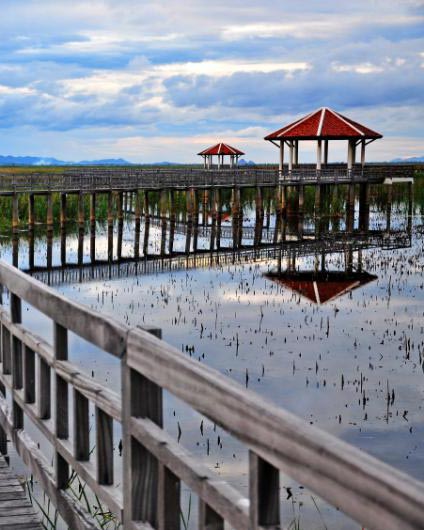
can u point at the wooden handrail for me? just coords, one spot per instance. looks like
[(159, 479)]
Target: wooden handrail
[(371, 492)]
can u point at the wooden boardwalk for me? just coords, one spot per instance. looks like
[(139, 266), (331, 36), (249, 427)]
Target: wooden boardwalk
[(102, 180), (16, 511)]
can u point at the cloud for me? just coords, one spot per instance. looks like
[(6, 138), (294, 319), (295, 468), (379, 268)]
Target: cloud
[(111, 76)]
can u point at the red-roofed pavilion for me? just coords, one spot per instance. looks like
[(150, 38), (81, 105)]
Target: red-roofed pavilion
[(322, 125), (220, 150)]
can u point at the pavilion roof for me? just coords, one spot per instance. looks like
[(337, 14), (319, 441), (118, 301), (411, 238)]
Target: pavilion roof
[(322, 287), (221, 149), (323, 123)]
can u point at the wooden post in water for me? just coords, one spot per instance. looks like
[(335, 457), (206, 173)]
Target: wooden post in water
[(301, 199), (172, 213), (350, 208), (92, 209), (15, 250), (146, 236), (410, 205), (81, 220), (389, 207), (15, 212), (31, 249), (49, 249), (235, 214), (92, 243), (364, 206), (120, 238), (195, 219), (31, 211), (109, 208), (63, 245), (146, 209), (119, 207), (163, 200), (80, 245), (49, 211), (63, 200), (137, 220)]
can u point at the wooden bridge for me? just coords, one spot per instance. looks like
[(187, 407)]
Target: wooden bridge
[(147, 493), (99, 179)]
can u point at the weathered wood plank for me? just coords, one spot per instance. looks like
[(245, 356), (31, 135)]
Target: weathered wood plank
[(15, 509), (363, 487), (227, 501), (264, 493), (102, 331)]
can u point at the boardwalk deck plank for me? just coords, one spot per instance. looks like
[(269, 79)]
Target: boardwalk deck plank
[(16, 511)]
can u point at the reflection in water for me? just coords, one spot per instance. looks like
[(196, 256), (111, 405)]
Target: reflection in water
[(206, 264)]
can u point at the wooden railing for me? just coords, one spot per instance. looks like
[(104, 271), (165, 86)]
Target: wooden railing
[(79, 179), (371, 492)]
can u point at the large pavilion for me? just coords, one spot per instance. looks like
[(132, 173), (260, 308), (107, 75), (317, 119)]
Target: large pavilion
[(321, 126), (220, 150)]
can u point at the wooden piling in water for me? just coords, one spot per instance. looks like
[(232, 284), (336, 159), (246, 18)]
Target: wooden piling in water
[(81, 219), (49, 211), (92, 209), (31, 211), (63, 201), (15, 212)]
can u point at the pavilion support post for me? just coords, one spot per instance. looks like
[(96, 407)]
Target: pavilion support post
[(325, 152), (296, 153), (63, 201), (319, 154), (219, 162), (351, 152), (281, 167), (362, 153), (31, 211), (291, 156), (49, 211)]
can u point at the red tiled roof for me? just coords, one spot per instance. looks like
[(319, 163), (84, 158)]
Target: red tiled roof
[(322, 287), (323, 123), (221, 149)]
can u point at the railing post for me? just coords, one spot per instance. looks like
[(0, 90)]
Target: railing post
[(264, 493), (16, 349), (151, 491), (61, 404), (3, 435)]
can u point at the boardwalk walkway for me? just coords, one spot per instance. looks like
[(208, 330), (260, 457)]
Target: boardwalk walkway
[(16, 511)]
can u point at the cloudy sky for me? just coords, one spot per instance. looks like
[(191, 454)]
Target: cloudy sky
[(161, 80)]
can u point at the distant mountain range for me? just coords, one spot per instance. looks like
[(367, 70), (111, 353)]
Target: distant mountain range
[(49, 161), (410, 160)]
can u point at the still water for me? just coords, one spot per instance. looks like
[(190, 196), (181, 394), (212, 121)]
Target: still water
[(321, 313)]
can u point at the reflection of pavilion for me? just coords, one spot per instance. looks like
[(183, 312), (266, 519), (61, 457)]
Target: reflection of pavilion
[(321, 285)]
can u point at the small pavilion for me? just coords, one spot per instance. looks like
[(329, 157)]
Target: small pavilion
[(220, 150), (321, 126)]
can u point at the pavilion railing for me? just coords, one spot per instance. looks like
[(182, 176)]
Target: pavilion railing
[(147, 495)]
